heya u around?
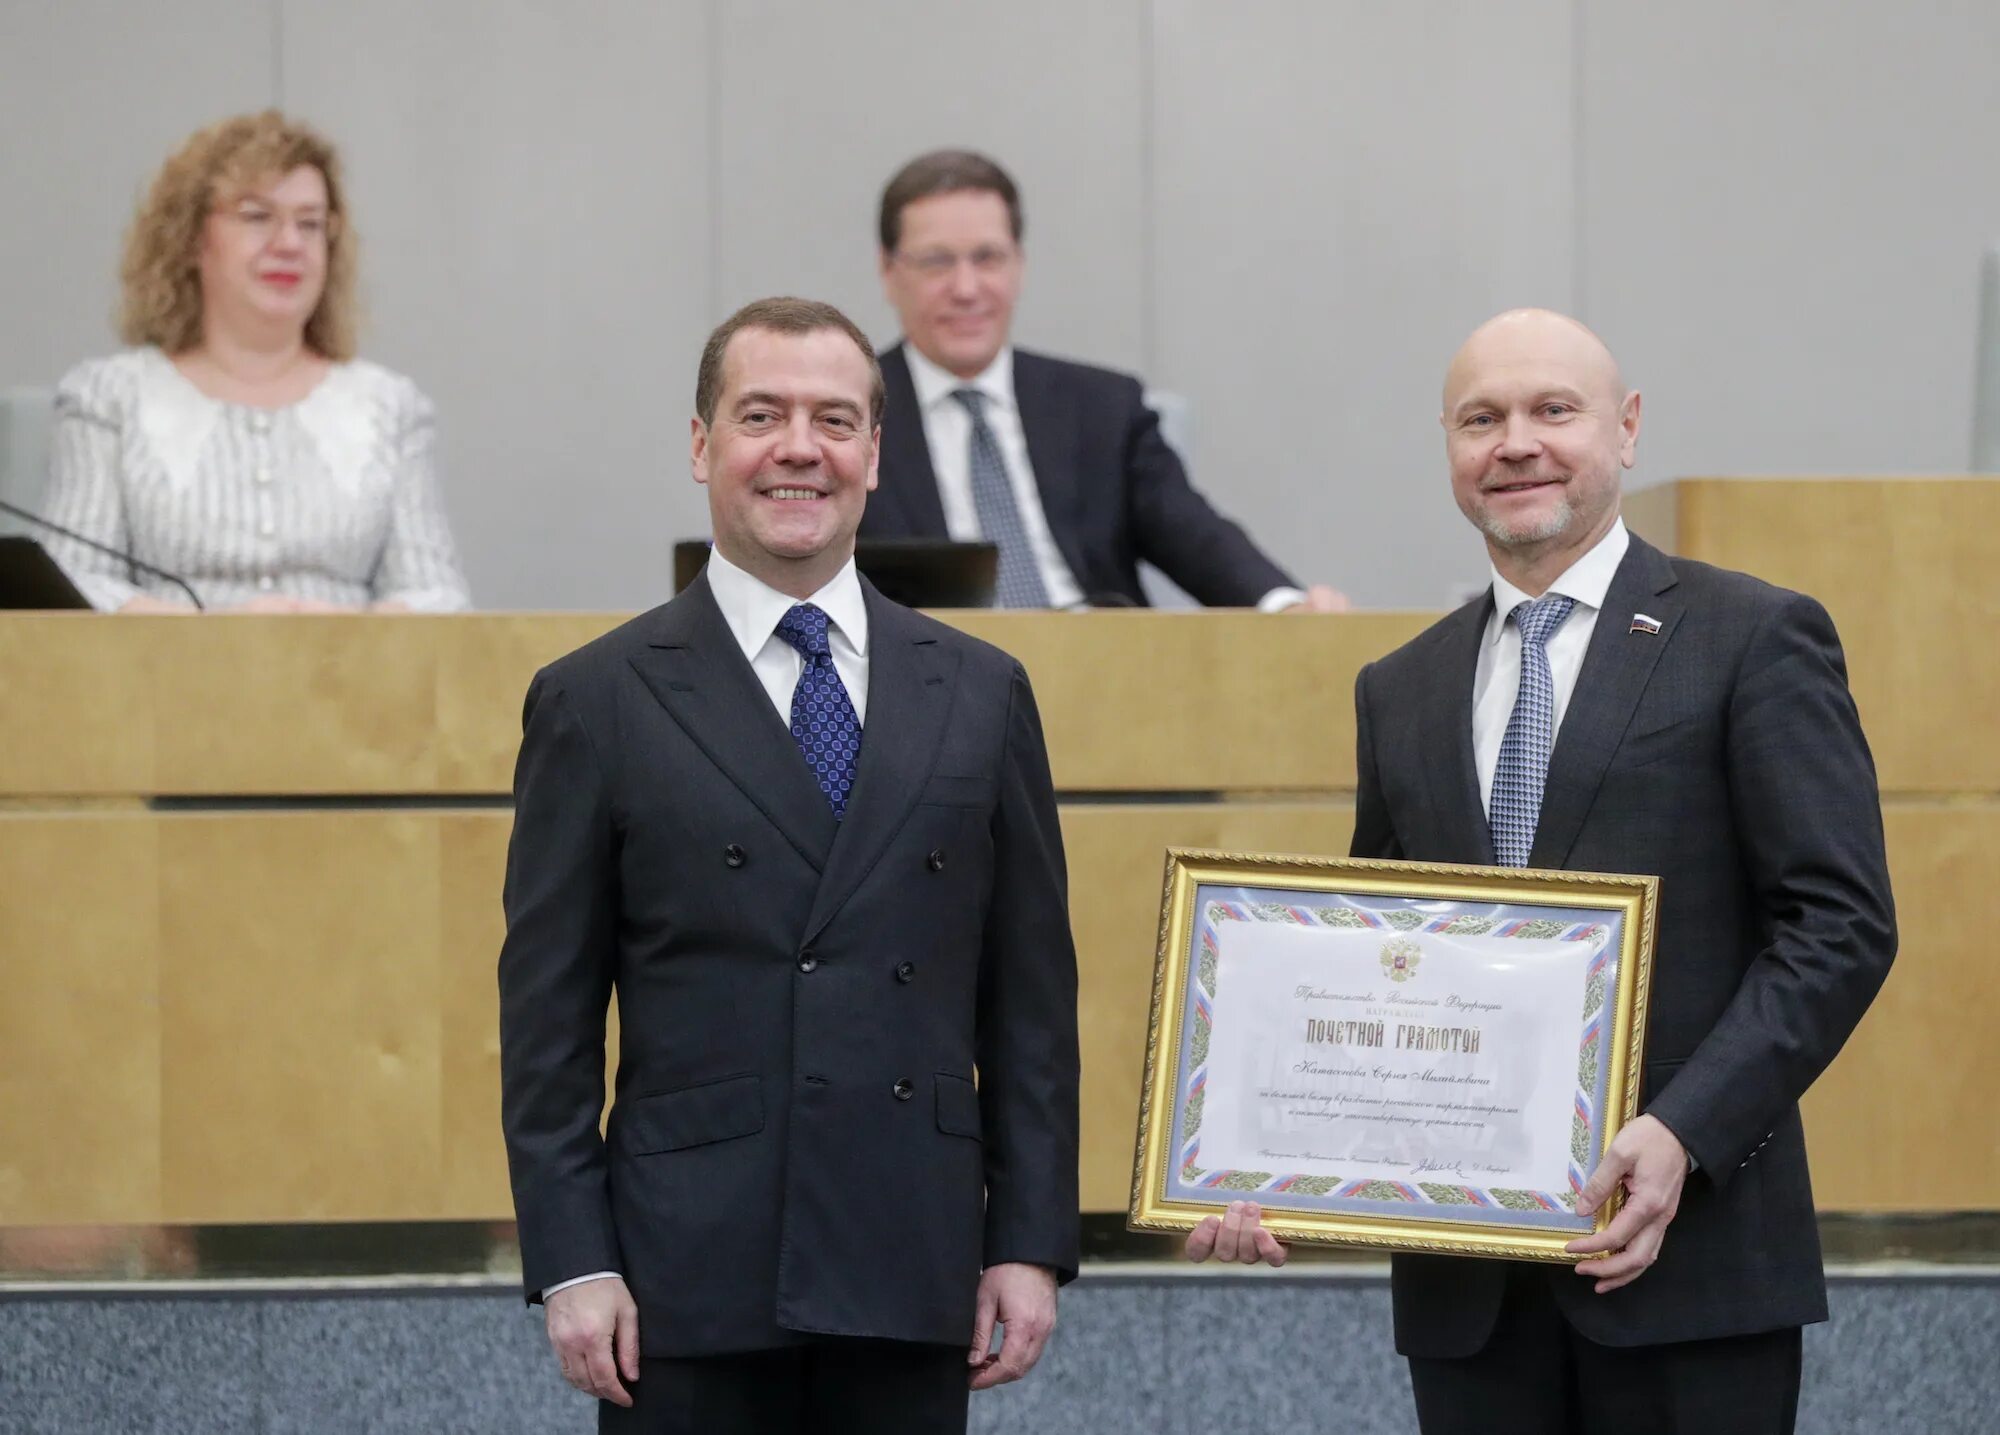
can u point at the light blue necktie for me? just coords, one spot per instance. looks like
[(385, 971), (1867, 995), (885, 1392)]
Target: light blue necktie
[(1020, 582), (823, 721), (1516, 804)]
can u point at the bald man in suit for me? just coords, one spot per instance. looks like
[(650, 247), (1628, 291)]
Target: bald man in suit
[(1605, 707)]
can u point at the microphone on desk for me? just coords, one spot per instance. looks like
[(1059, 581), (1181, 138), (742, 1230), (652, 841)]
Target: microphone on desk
[(105, 548)]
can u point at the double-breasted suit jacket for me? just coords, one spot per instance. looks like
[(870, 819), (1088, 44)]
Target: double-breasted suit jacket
[(847, 1056)]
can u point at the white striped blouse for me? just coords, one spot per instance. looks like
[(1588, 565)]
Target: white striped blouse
[(333, 498)]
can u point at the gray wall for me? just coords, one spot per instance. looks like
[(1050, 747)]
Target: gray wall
[(1288, 210)]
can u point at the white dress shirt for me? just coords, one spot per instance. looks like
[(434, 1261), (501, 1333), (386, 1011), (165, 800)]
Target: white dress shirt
[(1496, 680), (948, 431), (752, 609)]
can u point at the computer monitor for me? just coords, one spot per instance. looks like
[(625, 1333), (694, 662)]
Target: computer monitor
[(29, 578), (916, 572)]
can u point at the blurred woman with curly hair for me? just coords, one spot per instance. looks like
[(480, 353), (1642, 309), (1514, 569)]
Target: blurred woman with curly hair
[(239, 442)]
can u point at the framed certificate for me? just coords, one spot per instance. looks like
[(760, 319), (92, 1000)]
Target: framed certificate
[(1403, 1055)]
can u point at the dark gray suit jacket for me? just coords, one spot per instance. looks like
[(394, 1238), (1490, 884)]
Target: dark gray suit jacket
[(796, 1144), (1724, 755), (1113, 491)]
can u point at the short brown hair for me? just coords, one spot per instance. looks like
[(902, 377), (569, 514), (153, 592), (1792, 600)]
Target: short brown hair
[(943, 171), (161, 280), (780, 316)]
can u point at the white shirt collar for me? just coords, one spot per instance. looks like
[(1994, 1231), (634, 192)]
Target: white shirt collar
[(752, 608), (934, 384), (177, 418), (1587, 580)]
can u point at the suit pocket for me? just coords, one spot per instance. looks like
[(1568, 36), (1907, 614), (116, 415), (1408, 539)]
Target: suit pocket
[(958, 792), (957, 1106), (1678, 738), (696, 1115)]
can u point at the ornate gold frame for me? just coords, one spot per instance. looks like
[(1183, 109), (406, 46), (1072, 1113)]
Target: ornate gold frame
[(1633, 899)]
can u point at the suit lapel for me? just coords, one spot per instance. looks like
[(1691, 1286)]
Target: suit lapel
[(909, 479), (1447, 735), (1616, 669), (693, 665), (909, 697), (1048, 421)]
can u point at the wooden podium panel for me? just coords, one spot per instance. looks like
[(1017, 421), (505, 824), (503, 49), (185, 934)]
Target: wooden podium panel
[(367, 705), (1117, 858), (263, 1033), (1904, 1118), (223, 1035), (80, 1019), (292, 1016), (1906, 568), (273, 1000)]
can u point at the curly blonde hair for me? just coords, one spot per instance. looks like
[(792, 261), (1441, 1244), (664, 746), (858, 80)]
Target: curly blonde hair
[(160, 275)]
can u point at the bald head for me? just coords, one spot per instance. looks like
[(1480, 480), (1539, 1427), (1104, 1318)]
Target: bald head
[(1537, 425), (1523, 338)]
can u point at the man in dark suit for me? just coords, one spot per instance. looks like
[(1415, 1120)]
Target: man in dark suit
[(1060, 464), (844, 1137), (1605, 707)]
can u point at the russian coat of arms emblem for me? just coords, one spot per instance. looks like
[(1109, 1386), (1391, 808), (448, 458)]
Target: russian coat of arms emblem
[(1400, 959)]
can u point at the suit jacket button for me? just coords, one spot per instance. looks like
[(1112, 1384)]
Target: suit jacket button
[(905, 1089), (936, 860), (732, 855), (905, 971), (807, 961)]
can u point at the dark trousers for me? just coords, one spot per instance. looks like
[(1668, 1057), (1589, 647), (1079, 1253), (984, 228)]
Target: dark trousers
[(827, 1387), (1537, 1376)]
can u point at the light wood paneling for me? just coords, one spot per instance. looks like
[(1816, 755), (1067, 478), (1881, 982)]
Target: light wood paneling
[(80, 1019), (302, 706), (355, 701), (301, 1002), (310, 1055), (472, 859), (484, 667), (323, 1043), (77, 692), (1905, 566), (1654, 514), (290, 1015), (1117, 859), (1207, 702), (1903, 1119)]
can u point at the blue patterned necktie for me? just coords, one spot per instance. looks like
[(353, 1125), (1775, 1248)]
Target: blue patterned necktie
[(1515, 807), (823, 721), (1020, 581)]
